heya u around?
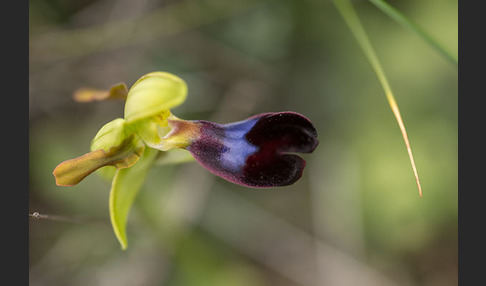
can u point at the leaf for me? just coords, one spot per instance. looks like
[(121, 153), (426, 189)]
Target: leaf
[(125, 186)]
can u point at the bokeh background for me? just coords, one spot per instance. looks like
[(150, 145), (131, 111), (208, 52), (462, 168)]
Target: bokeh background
[(355, 217)]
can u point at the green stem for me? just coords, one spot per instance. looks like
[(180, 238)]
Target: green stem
[(349, 14), (404, 21)]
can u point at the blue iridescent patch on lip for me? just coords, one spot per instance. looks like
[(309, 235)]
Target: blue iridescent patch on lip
[(237, 148)]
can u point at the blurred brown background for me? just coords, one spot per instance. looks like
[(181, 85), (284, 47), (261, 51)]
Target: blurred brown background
[(355, 217)]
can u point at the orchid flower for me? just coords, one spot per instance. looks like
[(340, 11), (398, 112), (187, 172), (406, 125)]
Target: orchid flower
[(256, 152)]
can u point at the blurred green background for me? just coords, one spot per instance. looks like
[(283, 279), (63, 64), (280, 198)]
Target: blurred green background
[(355, 217)]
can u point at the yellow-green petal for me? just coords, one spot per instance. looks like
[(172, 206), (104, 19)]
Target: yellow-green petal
[(114, 145), (117, 91), (73, 171), (153, 94)]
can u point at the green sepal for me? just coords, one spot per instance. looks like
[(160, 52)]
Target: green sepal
[(106, 173), (153, 94), (124, 188)]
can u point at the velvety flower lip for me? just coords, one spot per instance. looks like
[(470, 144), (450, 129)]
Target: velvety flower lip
[(255, 152)]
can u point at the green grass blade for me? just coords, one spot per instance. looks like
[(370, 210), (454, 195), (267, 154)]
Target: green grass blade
[(124, 189), (407, 23), (351, 18)]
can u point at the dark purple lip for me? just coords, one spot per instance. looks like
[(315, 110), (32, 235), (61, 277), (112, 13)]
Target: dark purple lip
[(254, 152)]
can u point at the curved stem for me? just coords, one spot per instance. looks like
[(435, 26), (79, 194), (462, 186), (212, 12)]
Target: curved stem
[(349, 14), (404, 21)]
